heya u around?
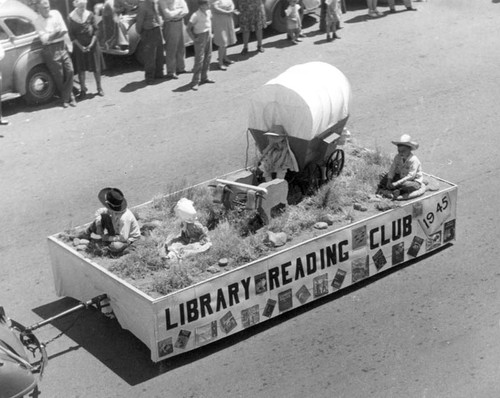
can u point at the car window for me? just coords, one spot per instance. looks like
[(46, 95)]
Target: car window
[(19, 26), (3, 34)]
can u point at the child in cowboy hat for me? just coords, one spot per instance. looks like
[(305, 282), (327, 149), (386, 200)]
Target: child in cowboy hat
[(405, 174), (115, 223)]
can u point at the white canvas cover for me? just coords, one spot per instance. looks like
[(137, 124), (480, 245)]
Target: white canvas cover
[(306, 100)]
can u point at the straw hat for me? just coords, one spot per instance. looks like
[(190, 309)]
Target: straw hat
[(406, 141), (113, 199)]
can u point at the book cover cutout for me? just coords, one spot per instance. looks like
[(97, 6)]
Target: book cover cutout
[(379, 259), (165, 347), (269, 308), (320, 285), (182, 339), (250, 316), (360, 269), (227, 322), (285, 300), (398, 253), (303, 294), (339, 279), (415, 246)]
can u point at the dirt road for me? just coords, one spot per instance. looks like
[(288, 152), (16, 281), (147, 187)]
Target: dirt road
[(428, 330)]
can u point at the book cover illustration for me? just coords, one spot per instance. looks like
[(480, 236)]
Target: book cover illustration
[(449, 231), (358, 237), (227, 322), (285, 300), (303, 294), (415, 246), (260, 283), (379, 259), (398, 253), (360, 269), (165, 347), (433, 241), (182, 339), (269, 308), (206, 333), (418, 209), (250, 316), (338, 279), (320, 285)]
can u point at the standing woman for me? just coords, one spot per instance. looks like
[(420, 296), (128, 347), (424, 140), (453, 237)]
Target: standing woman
[(252, 19), (223, 29), (87, 54)]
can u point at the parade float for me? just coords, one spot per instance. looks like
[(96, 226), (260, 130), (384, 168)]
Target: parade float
[(311, 104)]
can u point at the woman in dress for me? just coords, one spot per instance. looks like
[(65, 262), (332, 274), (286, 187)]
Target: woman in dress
[(87, 54), (252, 19), (223, 29)]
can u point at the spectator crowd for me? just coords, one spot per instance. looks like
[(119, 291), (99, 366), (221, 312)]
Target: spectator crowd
[(75, 47)]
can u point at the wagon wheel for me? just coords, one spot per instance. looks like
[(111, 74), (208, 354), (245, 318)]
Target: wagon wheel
[(335, 164)]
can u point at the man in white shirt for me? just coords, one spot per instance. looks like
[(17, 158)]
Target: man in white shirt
[(174, 12), (54, 36)]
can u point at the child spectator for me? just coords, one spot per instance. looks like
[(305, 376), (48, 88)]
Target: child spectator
[(405, 174), (332, 19), (293, 23), (200, 30)]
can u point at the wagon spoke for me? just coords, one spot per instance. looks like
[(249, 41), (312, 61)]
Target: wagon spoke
[(335, 164)]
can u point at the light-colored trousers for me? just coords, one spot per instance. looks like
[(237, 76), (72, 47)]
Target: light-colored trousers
[(174, 46)]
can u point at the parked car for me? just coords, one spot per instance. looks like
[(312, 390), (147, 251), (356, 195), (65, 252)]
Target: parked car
[(23, 70), (274, 12)]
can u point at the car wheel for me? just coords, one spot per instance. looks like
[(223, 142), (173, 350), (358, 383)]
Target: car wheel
[(279, 18), (40, 86)]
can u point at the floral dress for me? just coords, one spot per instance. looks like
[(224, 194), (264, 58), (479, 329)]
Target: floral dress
[(252, 15)]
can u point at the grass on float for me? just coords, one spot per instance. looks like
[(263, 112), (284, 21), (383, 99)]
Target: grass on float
[(233, 233)]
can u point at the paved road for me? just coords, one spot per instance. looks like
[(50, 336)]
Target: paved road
[(428, 330)]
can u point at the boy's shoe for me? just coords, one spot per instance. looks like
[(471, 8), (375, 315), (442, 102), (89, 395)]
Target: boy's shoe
[(297, 39), (295, 42), (335, 36), (244, 51), (372, 13), (302, 34), (194, 86), (260, 49), (171, 76), (180, 72), (328, 38), (207, 81), (411, 9)]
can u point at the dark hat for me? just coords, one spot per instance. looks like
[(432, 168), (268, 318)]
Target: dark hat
[(200, 2), (113, 199)]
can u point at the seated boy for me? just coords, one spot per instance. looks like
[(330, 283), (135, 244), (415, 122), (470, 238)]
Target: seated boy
[(115, 223), (405, 174)]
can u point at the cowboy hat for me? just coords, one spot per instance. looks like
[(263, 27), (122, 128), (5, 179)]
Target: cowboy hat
[(276, 130), (113, 199), (406, 141)]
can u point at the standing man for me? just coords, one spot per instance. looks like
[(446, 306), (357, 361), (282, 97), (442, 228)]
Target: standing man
[(200, 30), (174, 12), (149, 24), (54, 36), (3, 122)]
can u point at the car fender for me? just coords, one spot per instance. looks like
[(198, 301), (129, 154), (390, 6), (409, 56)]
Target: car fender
[(24, 64)]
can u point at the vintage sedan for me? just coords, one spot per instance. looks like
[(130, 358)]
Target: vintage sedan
[(23, 70), (126, 29)]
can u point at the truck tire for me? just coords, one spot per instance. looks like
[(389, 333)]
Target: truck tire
[(40, 86)]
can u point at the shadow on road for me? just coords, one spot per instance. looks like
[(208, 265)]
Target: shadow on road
[(129, 358)]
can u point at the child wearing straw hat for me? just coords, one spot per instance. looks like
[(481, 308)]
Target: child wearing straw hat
[(405, 174)]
